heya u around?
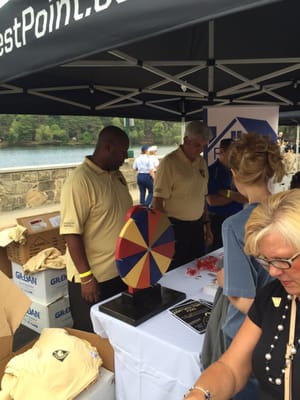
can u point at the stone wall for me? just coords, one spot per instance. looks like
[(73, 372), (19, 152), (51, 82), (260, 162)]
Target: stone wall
[(33, 186)]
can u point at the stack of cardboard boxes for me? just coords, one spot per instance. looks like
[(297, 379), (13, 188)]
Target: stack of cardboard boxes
[(49, 294), (47, 289), (40, 300)]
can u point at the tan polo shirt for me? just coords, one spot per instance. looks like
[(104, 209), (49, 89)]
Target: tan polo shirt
[(58, 366), (182, 184), (94, 203)]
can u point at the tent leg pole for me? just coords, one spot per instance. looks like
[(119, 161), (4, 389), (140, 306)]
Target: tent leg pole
[(182, 128), (297, 147)]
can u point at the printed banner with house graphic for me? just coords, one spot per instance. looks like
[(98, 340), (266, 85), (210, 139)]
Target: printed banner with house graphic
[(233, 121)]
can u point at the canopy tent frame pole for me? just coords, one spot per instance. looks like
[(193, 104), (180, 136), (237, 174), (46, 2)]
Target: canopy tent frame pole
[(177, 63), (297, 146), (259, 79), (182, 128), (211, 56)]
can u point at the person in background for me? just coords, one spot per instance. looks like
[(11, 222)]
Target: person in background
[(280, 140), (289, 159), (267, 343), (253, 160), (145, 168), (94, 202), (152, 151), (223, 200), (180, 188), (295, 181)]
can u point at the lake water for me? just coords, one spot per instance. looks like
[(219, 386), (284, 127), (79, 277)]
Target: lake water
[(53, 155)]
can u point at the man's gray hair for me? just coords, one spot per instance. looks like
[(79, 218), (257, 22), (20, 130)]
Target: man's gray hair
[(197, 128)]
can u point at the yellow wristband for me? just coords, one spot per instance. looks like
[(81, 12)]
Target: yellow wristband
[(85, 274), (228, 193)]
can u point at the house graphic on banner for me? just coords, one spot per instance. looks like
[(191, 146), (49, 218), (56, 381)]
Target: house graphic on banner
[(236, 127)]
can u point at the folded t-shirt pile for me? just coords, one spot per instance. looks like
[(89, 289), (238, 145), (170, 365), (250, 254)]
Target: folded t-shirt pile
[(59, 366), (45, 259)]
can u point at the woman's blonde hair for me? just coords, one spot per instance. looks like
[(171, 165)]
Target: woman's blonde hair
[(279, 213), (256, 158)]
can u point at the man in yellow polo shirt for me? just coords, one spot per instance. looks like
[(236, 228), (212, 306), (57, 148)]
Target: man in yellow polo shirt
[(180, 187), (94, 202)]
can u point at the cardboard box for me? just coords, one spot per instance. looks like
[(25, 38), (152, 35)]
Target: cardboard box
[(13, 306), (54, 315), (5, 263), (42, 233), (43, 286), (103, 346)]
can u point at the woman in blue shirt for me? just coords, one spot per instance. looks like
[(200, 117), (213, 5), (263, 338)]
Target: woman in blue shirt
[(253, 160)]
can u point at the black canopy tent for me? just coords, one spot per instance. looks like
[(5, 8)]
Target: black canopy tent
[(158, 59)]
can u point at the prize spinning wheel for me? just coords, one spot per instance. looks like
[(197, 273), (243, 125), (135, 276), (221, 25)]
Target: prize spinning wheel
[(145, 247), (144, 251)]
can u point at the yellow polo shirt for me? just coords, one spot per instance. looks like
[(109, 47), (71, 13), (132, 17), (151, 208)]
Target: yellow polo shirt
[(182, 184), (58, 366), (94, 203)]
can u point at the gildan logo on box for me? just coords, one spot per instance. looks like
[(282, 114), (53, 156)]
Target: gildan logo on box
[(33, 313), (53, 315), (26, 278), (42, 286), (58, 279), (33, 280), (36, 314), (61, 313)]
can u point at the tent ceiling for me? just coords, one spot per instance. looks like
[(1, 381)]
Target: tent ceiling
[(249, 57)]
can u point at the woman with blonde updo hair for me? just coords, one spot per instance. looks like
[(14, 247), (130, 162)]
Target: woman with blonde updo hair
[(253, 161)]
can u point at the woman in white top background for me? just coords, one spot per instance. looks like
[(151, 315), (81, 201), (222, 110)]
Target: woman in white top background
[(152, 152), (145, 167)]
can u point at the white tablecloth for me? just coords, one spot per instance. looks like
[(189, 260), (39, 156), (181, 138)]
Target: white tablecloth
[(160, 358)]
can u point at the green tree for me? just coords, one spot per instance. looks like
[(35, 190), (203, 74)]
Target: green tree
[(174, 136), (44, 134), (18, 129), (5, 123), (166, 133), (24, 127), (87, 138), (136, 132), (59, 134), (71, 126), (76, 126), (92, 126), (12, 136), (116, 121), (159, 129)]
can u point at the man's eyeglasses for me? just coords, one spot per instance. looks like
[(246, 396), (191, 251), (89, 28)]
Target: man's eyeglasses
[(280, 263)]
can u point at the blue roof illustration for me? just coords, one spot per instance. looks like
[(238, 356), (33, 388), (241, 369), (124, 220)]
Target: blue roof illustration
[(260, 126)]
